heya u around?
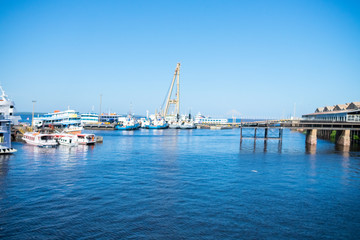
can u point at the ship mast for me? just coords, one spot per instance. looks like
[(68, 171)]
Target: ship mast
[(176, 100)]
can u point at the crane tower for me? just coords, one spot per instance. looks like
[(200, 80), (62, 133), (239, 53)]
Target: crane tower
[(176, 100)]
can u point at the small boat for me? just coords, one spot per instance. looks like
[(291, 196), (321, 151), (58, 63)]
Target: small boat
[(130, 123), (40, 139), (174, 125), (158, 123), (144, 122), (188, 125), (86, 139), (70, 141)]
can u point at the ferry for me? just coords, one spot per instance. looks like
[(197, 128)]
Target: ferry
[(7, 107), (59, 119), (40, 139), (128, 123), (86, 139), (200, 119), (89, 118), (5, 135)]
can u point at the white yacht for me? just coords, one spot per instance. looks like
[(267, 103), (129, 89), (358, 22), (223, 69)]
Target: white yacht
[(7, 107)]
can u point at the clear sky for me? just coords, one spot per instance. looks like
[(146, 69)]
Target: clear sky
[(253, 58)]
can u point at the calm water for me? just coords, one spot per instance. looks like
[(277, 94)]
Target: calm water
[(178, 184)]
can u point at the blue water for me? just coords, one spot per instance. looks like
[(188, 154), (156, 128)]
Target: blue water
[(179, 184)]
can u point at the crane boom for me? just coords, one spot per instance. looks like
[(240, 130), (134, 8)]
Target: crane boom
[(175, 101)]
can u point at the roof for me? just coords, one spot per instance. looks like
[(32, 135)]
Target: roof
[(329, 108), (354, 105), (332, 112)]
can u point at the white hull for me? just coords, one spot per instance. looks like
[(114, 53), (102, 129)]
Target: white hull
[(7, 151)]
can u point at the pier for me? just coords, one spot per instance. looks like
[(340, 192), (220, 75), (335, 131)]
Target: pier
[(343, 133)]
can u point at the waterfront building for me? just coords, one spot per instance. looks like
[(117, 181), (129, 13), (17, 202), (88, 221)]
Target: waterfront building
[(110, 117), (339, 113)]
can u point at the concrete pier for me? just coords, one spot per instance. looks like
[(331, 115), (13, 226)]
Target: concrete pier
[(344, 139), (311, 136)]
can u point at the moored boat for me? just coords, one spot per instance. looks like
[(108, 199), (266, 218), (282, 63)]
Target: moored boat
[(129, 123), (86, 139), (70, 141), (40, 139), (158, 123), (188, 125)]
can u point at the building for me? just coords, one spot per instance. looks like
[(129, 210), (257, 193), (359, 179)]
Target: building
[(338, 113)]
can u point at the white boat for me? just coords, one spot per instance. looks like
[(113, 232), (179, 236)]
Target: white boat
[(86, 139), (6, 150), (70, 141), (188, 125), (7, 108), (200, 119), (59, 119), (128, 123), (158, 123), (40, 139), (174, 125)]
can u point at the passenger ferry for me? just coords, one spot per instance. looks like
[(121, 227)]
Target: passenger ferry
[(200, 119), (7, 107), (40, 139), (59, 119), (89, 118)]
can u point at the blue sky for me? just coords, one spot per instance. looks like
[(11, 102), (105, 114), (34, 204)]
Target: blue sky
[(253, 58)]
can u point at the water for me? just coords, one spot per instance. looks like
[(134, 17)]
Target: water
[(178, 184)]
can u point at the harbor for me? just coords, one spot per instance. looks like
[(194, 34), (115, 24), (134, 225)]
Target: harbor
[(189, 120)]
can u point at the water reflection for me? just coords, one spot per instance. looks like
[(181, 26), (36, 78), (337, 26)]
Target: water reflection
[(268, 145)]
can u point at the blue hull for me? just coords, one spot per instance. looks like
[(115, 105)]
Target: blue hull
[(157, 127), (136, 126)]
